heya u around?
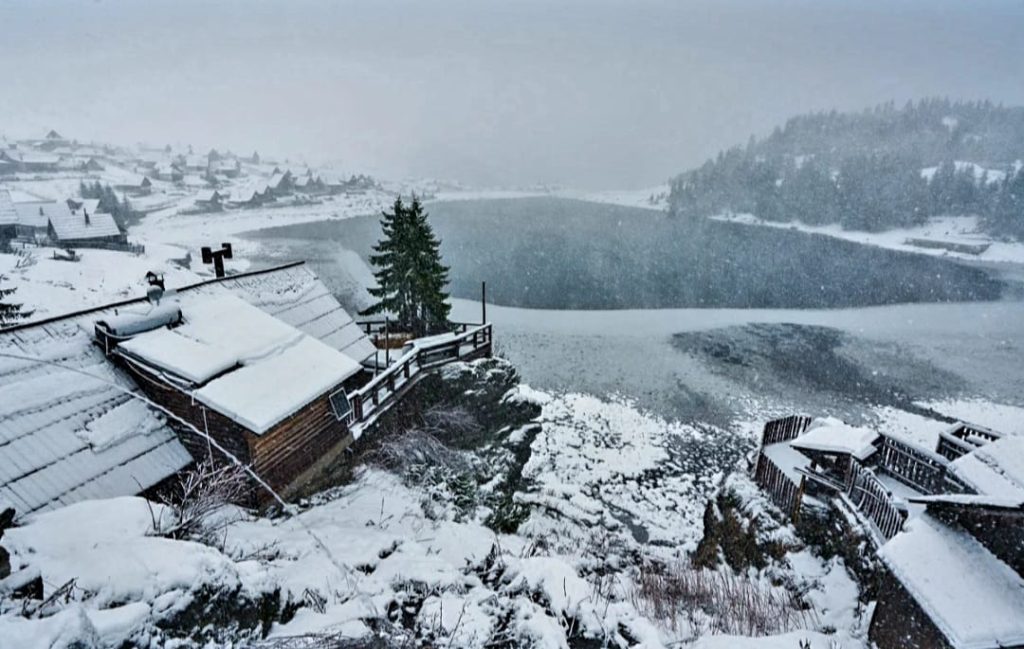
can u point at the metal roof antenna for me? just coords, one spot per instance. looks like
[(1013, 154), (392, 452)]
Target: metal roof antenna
[(217, 257)]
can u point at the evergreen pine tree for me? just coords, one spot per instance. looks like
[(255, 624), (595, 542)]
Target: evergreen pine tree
[(411, 279), (430, 276), (9, 313), (393, 274)]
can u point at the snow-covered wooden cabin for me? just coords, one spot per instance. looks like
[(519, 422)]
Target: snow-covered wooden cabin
[(209, 199), (30, 161), (946, 518), (270, 350), (81, 228), (34, 216), (138, 186), (269, 393)]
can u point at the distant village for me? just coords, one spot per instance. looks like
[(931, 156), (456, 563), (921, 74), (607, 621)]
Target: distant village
[(116, 186)]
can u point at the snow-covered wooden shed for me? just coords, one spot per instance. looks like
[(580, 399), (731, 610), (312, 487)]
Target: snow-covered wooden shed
[(947, 522), (82, 228), (70, 430)]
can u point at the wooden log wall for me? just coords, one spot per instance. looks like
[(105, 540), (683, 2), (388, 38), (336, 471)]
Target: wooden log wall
[(785, 429), (282, 453), (784, 492)]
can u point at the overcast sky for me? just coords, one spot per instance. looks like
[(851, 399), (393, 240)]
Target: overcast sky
[(590, 94)]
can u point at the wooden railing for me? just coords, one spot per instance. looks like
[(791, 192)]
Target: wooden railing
[(872, 499), (924, 471), (371, 327), (475, 341), (785, 429), (783, 490)]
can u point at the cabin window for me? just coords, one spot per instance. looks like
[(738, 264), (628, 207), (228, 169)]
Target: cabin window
[(340, 405)]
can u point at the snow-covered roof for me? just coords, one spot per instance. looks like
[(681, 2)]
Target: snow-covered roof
[(973, 500), (975, 599), (830, 435), (246, 193), (33, 157), (296, 296), (8, 213), (261, 394), (72, 227), (66, 437), (275, 180), (38, 215), (245, 363), (995, 469)]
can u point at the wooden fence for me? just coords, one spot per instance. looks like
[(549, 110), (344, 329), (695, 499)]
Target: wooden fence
[(385, 388), (783, 490), (785, 429), (871, 498), (924, 471)]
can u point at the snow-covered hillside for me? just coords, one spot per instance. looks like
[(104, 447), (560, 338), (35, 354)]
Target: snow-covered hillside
[(381, 557)]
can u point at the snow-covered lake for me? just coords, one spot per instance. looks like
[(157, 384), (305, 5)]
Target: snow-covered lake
[(722, 366)]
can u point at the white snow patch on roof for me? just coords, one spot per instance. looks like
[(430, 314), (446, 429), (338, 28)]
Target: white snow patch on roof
[(830, 435), (279, 368), (995, 469), (972, 596), (262, 394), (75, 226)]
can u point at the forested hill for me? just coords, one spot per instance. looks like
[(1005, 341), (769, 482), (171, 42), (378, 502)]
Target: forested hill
[(878, 169)]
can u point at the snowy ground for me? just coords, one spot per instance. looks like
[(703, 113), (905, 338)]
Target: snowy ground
[(374, 548), (952, 229), (196, 230), (47, 286)]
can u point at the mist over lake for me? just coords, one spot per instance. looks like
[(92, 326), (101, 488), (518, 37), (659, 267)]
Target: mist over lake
[(555, 253)]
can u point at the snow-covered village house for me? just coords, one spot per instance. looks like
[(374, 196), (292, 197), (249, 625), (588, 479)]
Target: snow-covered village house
[(34, 217), (30, 161), (53, 140), (264, 365), (82, 228), (138, 186), (945, 516), (209, 200)]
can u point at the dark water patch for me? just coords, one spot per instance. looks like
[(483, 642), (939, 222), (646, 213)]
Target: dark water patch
[(820, 365), (567, 254)]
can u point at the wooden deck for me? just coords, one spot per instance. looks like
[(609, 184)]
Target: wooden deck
[(469, 342)]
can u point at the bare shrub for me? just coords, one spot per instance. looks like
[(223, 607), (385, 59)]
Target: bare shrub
[(718, 602), (417, 447), (449, 420), (197, 495)]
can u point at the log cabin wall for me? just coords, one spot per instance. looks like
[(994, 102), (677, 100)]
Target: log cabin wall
[(227, 433), (287, 450), (279, 456), (899, 621)]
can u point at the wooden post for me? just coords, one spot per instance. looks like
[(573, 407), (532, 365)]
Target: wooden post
[(387, 343), (483, 302)]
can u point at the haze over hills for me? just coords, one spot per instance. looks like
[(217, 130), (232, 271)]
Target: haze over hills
[(881, 168)]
